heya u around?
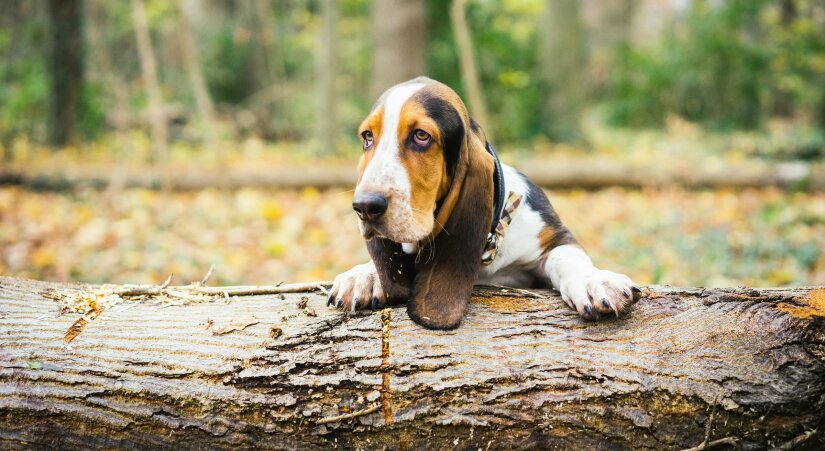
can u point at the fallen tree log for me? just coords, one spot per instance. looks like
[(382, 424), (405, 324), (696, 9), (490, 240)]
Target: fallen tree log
[(591, 174), (688, 367)]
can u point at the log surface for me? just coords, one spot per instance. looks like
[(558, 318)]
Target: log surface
[(686, 365)]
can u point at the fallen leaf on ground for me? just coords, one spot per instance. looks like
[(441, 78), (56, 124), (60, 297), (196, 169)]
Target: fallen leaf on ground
[(75, 329), (236, 324)]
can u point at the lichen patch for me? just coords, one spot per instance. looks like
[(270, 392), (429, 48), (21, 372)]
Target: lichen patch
[(814, 305)]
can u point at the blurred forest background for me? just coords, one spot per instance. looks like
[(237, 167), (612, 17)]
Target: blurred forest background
[(683, 140)]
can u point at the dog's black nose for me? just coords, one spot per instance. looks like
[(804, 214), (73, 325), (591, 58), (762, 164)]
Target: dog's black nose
[(369, 206)]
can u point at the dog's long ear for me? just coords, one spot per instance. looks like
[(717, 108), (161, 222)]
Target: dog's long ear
[(394, 267), (449, 265)]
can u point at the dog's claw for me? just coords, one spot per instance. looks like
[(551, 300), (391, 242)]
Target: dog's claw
[(589, 314)]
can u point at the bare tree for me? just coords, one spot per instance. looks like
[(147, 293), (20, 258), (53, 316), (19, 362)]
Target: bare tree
[(561, 60), (610, 28), (66, 70), (399, 30), (101, 69), (148, 66), (193, 66), (469, 74), (325, 78)]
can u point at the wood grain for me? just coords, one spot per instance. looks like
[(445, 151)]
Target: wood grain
[(520, 373)]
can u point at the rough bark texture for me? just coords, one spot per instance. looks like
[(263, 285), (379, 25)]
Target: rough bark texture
[(521, 372)]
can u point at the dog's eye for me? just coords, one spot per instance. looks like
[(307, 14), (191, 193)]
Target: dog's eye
[(368, 139), (421, 138)]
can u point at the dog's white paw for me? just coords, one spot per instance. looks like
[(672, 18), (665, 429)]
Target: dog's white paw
[(358, 288), (598, 293)]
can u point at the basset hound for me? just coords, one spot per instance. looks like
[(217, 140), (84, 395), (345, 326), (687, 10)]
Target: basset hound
[(434, 205)]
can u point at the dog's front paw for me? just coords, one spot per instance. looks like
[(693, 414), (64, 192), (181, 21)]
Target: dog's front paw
[(358, 288), (599, 294)]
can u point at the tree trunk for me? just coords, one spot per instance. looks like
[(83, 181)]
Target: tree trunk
[(102, 71), (467, 59), (66, 70), (399, 30), (609, 30), (189, 50), (561, 61), (325, 79), (149, 70), (523, 371)]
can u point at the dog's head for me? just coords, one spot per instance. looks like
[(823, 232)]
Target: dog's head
[(425, 180)]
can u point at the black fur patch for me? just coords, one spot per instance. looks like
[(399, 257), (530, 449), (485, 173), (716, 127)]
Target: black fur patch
[(449, 123), (538, 201)]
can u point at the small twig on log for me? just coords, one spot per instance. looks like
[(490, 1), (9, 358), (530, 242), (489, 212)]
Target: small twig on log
[(348, 416), (263, 289), (167, 281), (706, 443), (226, 292), (794, 442), (144, 290), (518, 290), (732, 441), (180, 292), (208, 275)]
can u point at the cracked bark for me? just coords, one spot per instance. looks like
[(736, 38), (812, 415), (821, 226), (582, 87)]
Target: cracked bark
[(519, 373)]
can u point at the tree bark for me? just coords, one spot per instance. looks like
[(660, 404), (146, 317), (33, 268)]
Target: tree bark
[(686, 366), (399, 30), (66, 70)]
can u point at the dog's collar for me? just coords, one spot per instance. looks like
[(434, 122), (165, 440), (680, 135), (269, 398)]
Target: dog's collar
[(502, 214), (498, 188)]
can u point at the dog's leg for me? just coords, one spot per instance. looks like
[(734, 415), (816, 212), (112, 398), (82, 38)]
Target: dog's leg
[(357, 288), (594, 293)]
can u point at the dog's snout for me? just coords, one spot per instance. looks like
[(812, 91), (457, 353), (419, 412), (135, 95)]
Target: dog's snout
[(369, 206)]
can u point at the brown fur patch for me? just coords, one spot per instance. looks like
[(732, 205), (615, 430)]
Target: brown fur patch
[(425, 169), (547, 237), (375, 124)]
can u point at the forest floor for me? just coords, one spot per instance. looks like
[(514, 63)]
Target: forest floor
[(755, 237), (670, 235)]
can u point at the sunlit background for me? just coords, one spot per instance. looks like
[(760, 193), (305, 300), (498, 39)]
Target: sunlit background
[(682, 141)]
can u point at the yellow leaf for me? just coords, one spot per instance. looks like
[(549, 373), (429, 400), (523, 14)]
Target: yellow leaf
[(271, 211), (43, 258), (274, 248)]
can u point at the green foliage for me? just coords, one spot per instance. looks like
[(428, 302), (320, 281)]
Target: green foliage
[(505, 46), (24, 82), (732, 66), (727, 64)]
